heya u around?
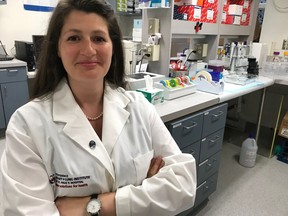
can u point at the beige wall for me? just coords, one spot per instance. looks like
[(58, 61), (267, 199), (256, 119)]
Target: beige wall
[(275, 24)]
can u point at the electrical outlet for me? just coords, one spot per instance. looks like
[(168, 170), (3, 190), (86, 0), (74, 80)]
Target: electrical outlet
[(285, 45), (153, 26), (152, 53), (202, 49)]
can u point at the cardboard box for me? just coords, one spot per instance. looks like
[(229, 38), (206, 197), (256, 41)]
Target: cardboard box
[(235, 9), (231, 19), (283, 131), (154, 95)]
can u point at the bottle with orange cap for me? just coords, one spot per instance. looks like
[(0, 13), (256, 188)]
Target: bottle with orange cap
[(284, 63)]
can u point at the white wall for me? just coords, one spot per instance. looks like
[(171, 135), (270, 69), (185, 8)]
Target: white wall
[(19, 24), (275, 25)]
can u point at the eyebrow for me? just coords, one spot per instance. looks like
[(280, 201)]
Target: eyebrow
[(78, 31)]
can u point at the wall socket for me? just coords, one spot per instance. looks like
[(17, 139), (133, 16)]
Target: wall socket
[(202, 49), (153, 51), (285, 45), (153, 26)]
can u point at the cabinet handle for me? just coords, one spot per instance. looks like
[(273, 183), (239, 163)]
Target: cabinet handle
[(192, 152), (211, 164), (214, 141), (3, 70), (203, 184), (217, 115), (4, 91), (13, 71), (191, 126)]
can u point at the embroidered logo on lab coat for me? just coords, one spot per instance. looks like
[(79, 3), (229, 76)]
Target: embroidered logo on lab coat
[(65, 181)]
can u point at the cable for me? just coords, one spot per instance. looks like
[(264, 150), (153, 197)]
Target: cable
[(193, 51), (140, 62)]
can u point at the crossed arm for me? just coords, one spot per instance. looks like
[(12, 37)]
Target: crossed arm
[(76, 206)]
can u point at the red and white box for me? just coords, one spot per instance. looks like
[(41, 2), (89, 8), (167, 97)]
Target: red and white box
[(231, 19), (235, 9)]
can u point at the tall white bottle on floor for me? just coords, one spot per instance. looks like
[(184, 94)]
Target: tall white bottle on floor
[(248, 152)]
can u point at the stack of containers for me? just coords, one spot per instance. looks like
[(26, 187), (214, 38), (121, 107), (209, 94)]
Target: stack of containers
[(217, 70)]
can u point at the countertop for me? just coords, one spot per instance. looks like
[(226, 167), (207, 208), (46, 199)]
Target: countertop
[(12, 63), (178, 107)]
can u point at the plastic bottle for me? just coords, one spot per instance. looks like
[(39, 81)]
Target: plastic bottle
[(276, 63), (276, 57), (285, 58), (248, 152), (284, 64)]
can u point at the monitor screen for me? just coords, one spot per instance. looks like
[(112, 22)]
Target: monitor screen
[(37, 41)]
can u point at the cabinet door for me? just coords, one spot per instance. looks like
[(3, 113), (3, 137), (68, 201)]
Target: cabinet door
[(211, 144), (14, 95), (214, 119), (208, 167), (194, 150), (206, 189), (2, 119), (186, 130)]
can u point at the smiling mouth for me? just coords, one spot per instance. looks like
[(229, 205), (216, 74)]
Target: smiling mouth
[(88, 63)]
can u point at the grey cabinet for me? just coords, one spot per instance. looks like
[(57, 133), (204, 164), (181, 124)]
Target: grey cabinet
[(201, 134), (2, 119), (13, 92)]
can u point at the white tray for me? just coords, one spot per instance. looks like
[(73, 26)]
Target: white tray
[(176, 92)]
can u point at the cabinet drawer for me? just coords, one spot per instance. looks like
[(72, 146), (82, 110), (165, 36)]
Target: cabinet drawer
[(208, 167), (214, 119), (13, 74), (211, 144), (194, 150), (2, 119), (206, 189), (187, 130)]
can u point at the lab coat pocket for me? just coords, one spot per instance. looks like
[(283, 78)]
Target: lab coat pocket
[(142, 163)]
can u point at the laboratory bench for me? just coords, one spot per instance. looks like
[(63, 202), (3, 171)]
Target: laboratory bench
[(172, 109), (197, 123)]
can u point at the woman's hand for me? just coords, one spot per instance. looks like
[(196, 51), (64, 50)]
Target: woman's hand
[(72, 206), (156, 164), (76, 206)]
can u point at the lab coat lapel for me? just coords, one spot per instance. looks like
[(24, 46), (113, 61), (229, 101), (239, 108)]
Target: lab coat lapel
[(78, 128), (115, 116)]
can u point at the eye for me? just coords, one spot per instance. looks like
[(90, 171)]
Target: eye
[(73, 38), (99, 39)]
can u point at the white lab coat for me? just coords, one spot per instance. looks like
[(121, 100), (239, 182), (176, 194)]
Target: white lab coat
[(48, 155)]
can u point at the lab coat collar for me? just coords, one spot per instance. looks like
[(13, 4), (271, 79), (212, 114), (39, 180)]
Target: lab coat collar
[(78, 128), (115, 115)]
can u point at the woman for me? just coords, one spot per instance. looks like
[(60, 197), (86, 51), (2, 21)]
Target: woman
[(84, 145)]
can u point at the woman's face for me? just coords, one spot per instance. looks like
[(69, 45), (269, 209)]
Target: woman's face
[(85, 47)]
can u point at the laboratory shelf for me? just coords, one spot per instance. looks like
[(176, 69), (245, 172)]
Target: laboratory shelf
[(187, 27)]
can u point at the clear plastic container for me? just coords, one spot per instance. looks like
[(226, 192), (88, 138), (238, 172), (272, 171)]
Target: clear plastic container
[(284, 65), (276, 63), (285, 57), (248, 152), (276, 57)]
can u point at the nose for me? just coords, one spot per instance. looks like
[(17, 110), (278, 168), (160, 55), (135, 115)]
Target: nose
[(88, 48)]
